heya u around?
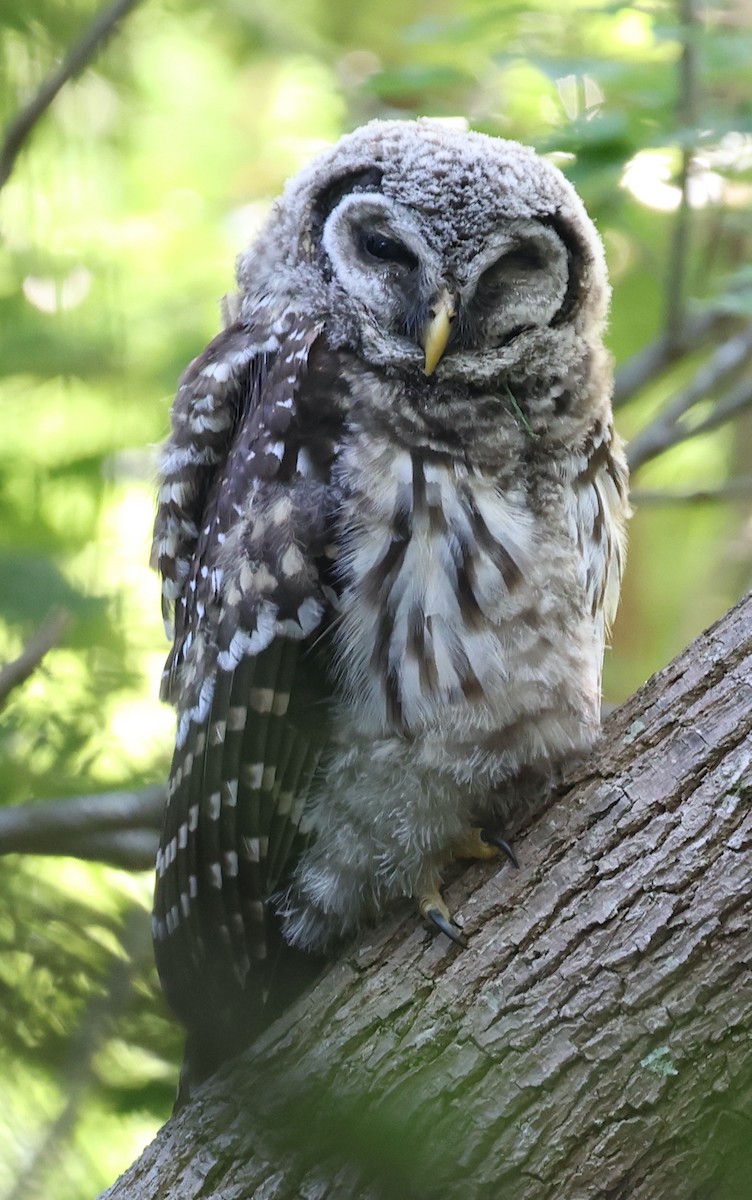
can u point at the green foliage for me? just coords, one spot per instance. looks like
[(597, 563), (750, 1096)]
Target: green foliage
[(120, 224)]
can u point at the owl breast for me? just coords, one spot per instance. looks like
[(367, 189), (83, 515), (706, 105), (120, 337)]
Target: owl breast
[(461, 611)]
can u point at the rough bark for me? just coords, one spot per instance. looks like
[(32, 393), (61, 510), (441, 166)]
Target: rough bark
[(593, 1041)]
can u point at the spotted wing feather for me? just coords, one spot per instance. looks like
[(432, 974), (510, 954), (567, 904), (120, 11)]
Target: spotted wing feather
[(599, 509), (240, 541)]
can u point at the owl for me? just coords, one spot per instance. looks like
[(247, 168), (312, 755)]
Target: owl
[(390, 532)]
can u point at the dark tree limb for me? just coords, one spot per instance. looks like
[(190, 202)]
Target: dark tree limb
[(595, 1040), (13, 674), (731, 490), (657, 356), (119, 828), (730, 359), (20, 128)]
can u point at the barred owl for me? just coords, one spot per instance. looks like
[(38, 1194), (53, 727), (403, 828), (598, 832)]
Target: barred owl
[(391, 535)]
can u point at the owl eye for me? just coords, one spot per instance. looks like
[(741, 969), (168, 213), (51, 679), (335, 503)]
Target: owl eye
[(513, 270), (523, 259), (385, 249), (526, 257)]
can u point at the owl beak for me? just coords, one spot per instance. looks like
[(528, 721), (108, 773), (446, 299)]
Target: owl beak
[(435, 333)]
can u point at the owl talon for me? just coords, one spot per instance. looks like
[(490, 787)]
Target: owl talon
[(483, 844), (495, 839), (433, 909)]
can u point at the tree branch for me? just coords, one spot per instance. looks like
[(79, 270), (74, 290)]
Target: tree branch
[(732, 489), (13, 674), (687, 114), (650, 362), (119, 828), (594, 1040), (658, 438), (729, 359), (20, 128)]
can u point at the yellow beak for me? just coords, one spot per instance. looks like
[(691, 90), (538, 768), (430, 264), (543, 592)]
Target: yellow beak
[(435, 332)]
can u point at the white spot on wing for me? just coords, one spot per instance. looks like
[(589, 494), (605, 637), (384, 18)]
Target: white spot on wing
[(304, 463), (292, 562), (219, 370), (309, 614)]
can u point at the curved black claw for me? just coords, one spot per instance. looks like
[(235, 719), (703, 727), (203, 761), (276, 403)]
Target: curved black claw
[(440, 921), (501, 843)]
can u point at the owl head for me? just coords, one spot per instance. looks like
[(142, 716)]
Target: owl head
[(431, 250)]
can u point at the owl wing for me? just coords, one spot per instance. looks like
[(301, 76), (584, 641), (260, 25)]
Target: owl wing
[(240, 541), (599, 514)]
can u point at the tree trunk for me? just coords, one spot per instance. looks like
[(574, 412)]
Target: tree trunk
[(593, 1041)]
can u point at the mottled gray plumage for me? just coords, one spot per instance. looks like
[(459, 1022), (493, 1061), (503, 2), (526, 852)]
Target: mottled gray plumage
[(390, 590)]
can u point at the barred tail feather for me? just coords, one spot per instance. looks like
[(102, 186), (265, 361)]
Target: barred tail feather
[(177, 941), (292, 793)]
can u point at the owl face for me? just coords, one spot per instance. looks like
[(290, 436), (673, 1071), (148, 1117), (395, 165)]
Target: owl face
[(428, 296), (425, 250)]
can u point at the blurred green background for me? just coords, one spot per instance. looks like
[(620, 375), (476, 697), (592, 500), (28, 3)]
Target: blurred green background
[(120, 223)]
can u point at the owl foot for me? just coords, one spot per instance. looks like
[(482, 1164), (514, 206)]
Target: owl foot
[(433, 909), (477, 843), (483, 844)]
